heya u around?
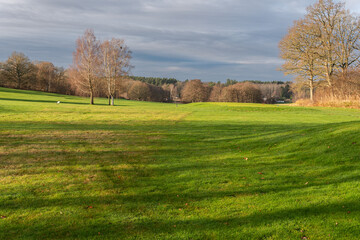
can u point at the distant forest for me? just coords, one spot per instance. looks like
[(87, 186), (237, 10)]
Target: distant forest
[(155, 80)]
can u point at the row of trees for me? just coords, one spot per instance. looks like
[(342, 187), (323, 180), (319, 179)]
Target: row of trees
[(197, 91), (323, 49), (248, 92), (155, 80), (98, 69), (101, 69), (232, 82), (19, 72)]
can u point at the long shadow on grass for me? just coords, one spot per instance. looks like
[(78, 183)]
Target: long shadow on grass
[(29, 92), (221, 226), (183, 165), (53, 101), (33, 197)]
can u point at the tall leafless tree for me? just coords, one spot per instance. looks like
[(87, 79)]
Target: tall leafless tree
[(115, 56), (299, 49), (46, 75), (325, 16), (86, 63), (348, 42)]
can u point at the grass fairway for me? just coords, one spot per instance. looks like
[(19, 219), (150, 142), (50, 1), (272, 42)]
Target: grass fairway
[(143, 170)]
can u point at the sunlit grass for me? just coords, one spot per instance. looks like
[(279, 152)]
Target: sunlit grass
[(143, 170)]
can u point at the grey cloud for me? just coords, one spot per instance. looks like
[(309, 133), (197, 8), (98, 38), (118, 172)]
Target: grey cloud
[(211, 40)]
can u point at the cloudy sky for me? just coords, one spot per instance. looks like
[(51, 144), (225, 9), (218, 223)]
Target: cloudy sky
[(207, 39)]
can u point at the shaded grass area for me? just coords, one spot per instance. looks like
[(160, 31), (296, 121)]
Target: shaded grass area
[(156, 171)]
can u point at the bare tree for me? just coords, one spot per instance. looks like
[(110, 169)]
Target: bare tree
[(299, 48), (61, 83), (86, 63), (115, 57), (18, 70), (170, 92), (216, 93), (324, 43), (348, 42), (194, 91), (271, 91), (139, 91), (2, 77), (241, 92), (46, 75), (326, 16)]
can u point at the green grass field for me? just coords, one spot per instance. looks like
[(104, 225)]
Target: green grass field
[(143, 170)]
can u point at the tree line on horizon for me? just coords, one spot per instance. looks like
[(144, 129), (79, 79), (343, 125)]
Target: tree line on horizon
[(322, 51), (102, 69), (46, 77)]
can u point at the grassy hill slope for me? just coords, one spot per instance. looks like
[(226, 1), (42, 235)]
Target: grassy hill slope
[(143, 170)]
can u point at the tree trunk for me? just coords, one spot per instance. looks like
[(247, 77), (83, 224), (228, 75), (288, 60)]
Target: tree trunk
[(109, 99), (112, 100), (49, 85), (311, 86), (91, 98), (328, 79)]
